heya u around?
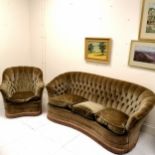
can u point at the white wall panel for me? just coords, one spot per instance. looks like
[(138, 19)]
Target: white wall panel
[(14, 33)]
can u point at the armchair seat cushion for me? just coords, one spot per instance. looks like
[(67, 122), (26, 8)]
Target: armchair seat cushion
[(65, 100), (20, 97), (114, 119), (87, 109)]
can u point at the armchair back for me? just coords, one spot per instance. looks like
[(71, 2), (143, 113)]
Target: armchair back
[(22, 78)]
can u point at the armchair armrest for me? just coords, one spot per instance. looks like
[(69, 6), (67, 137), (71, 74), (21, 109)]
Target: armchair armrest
[(146, 106), (39, 88), (6, 90)]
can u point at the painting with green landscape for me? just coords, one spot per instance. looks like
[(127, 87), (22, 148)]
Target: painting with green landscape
[(97, 49)]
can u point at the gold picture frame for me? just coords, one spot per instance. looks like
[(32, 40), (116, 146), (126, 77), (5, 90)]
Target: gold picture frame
[(97, 49), (147, 24), (142, 54)]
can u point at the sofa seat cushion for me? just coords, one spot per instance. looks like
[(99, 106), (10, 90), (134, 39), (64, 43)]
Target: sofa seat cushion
[(87, 109), (65, 100), (114, 120), (24, 96)]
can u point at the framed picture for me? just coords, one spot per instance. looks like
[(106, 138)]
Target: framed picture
[(97, 49), (142, 54), (147, 24)]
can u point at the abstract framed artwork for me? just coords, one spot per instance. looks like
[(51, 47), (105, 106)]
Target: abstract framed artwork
[(147, 24), (98, 49), (142, 54)]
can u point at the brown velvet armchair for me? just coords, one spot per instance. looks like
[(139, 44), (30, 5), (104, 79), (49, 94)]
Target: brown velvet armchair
[(22, 89)]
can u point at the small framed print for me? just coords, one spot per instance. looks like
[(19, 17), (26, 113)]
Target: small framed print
[(147, 24), (142, 54), (98, 49)]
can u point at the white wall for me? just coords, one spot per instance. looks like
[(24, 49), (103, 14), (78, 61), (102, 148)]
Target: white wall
[(14, 33), (37, 29), (70, 21)]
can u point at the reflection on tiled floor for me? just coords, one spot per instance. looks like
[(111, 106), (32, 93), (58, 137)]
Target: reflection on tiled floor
[(39, 136)]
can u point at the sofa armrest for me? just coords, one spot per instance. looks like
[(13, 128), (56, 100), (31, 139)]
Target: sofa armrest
[(145, 107), (55, 88), (50, 90), (58, 86)]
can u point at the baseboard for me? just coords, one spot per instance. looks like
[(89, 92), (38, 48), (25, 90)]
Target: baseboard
[(149, 128)]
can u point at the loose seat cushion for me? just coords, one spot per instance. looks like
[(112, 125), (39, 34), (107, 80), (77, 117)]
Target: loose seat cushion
[(87, 109), (114, 120), (65, 100), (20, 97)]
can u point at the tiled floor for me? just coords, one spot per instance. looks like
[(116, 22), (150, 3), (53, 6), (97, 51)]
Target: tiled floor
[(39, 136)]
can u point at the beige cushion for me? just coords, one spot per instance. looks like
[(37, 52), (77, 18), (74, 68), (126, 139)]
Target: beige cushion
[(65, 100), (115, 120), (87, 109)]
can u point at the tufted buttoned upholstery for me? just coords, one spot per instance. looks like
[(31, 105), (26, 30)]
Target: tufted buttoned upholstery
[(22, 88), (131, 99), (134, 100)]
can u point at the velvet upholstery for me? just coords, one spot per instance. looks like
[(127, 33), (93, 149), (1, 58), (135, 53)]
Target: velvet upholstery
[(130, 104), (21, 89), (65, 100), (87, 109), (114, 119)]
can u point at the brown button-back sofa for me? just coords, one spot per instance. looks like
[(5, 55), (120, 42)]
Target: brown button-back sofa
[(21, 89), (108, 110)]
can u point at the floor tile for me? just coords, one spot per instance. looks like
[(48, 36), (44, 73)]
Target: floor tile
[(14, 148), (35, 122), (30, 144), (59, 133), (11, 130), (9, 151), (63, 152), (85, 145)]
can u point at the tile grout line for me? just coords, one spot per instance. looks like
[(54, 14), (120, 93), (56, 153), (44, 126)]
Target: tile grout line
[(63, 145)]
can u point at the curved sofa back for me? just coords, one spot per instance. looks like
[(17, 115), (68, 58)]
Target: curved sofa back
[(124, 96), (22, 78)]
